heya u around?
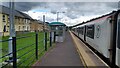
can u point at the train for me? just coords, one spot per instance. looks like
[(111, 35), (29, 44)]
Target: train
[(103, 35)]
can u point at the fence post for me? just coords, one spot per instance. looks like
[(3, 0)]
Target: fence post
[(50, 39), (54, 37), (14, 52), (45, 41), (36, 52)]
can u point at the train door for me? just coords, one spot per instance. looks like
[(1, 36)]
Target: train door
[(118, 42)]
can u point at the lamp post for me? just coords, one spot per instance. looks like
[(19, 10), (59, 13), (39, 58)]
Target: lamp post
[(12, 30), (58, 15), (45, 33), (12, 41), (118, 5)]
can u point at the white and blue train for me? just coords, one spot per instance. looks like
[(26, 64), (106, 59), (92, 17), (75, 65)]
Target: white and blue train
[(102, 34)]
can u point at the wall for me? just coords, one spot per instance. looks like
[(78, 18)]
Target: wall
[(35, 25), (1, 29)]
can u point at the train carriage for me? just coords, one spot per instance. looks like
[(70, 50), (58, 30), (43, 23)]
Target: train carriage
[(81, 31), (118, 41), (103, 34), (98, 35)]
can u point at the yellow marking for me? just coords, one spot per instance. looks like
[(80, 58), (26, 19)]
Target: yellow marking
[(81, 58), (97, 56), (88, 61)]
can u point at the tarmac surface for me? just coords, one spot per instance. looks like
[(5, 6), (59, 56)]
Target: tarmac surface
[(63, 54)]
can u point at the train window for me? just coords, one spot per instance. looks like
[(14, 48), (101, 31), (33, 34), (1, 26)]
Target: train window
[(90, 31), (81, 29), (77, 29), (118, 40)]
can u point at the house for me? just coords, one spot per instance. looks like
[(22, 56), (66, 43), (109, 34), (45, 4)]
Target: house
[(21, 21), (26, 22), (36, 25)]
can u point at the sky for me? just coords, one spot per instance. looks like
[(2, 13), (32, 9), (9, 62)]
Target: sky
[(70, 13)]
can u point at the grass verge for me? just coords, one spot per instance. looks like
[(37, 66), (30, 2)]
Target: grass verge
[(26, 56)]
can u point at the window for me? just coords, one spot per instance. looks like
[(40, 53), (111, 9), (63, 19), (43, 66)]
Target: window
[(15, 17), (3, 18), (19, 28), (23, 27), (18, 19), (8, 19), (81, 30), (53, 28), (60, 30), (26, 21), (23, 20), (27, 28), (90, 31)]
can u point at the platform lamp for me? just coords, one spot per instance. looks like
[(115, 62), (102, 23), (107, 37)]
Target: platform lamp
[(58, 15), (12, 38)]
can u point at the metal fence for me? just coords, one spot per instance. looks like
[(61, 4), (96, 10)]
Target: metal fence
[(24, 54)]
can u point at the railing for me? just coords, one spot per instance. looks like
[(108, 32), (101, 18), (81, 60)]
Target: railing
[(25, 49)]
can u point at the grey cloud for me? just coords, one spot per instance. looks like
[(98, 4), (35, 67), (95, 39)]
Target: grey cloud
[(73, 9), (77, 9), (26, 6), (92, 7)]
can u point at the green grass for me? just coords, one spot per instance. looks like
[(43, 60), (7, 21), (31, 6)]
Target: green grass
[(20, 43), (0, 52)]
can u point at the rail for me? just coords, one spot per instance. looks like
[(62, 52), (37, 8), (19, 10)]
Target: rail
[(25, 49)]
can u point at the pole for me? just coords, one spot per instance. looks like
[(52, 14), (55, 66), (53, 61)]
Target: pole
[(54, 37), (118, 5), (44, 23), (45, 41), (12, 29), (11, 4), (44, 32), (57, 16), (14, 53), (12, 44), (50, 38), (36, 52)]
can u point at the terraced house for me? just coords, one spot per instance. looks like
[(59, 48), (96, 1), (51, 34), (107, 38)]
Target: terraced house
[(36, 25), (22, 21)]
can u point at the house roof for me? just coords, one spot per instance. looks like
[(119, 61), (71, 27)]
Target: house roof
[(25, 15), (6, 10)]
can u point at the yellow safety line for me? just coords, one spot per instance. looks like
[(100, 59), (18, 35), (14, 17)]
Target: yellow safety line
[(81, 58), (87, 60), (97, 56)]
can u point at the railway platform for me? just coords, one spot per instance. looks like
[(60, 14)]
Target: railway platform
[(71, 52)]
